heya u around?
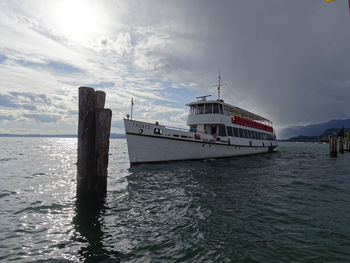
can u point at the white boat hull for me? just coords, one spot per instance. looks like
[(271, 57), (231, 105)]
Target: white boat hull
[(145, 147)]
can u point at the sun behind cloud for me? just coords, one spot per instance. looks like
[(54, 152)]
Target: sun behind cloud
[(77, 19)]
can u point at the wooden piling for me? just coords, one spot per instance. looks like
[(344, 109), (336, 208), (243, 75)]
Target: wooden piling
[(333, 146), (341, 144), (93, 143)]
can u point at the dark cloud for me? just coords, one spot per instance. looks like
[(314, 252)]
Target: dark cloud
[(279, 58)]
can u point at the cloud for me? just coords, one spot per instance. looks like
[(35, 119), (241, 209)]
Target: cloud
[(122, 45), (2, 58), (6, 118), (286, 61), (42, 117)]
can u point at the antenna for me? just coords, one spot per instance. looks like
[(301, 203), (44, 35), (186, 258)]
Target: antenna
[(219, 85), (131, 108)]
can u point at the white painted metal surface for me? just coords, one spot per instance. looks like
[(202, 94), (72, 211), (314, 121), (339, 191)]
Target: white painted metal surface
[(149, 142)]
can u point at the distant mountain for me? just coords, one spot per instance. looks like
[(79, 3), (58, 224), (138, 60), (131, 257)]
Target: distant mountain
[(113, 135), (322, 136), (313, 129)]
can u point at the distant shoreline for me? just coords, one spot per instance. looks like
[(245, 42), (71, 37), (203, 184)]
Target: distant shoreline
[(113, 135)]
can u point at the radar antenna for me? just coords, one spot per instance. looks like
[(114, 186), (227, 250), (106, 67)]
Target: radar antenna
[(203, 98)]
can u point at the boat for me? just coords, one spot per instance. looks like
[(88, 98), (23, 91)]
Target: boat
[(216, 130)]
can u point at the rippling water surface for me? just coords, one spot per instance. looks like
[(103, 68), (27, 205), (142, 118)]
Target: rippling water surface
[(289, 206)]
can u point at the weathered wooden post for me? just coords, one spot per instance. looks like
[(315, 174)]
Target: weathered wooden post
[(93, 143), (341, 144), (333, 146)]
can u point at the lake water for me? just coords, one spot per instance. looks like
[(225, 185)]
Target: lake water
[(289, 206)]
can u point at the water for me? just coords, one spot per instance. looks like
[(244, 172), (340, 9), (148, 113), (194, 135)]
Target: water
[(289, 206)]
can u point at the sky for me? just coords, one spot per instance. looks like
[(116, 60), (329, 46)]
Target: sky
[(288, 61)]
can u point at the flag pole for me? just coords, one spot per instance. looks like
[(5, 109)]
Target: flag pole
[(131, 108)]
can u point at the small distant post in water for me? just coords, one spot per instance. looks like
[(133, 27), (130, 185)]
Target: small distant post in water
[(93, 143), (348, 142), (333, 146), (341, 144)]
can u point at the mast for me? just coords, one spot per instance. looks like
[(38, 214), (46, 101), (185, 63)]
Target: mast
[(219, 86), (131, 108)]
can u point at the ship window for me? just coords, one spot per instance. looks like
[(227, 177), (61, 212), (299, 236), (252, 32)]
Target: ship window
[(200, 109), (215, 108), (235, 131), (193, 128), (246, 134), (250, 134), (192, 109), (226, 111), (241, 133), (208, 108), (158, 131), (220, 107), (222, 130), (229, 131), (260, 136)]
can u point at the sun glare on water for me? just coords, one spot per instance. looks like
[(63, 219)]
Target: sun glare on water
[(76, 19)]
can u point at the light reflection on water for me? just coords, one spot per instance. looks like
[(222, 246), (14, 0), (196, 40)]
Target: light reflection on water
[(292, 204)]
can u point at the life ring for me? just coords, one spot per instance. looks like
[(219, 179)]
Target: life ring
[(140, 131)]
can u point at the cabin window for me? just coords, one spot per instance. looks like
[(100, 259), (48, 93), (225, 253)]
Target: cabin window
[(235, 131), (222, 130), (226, 111), (193, 109), (246, 133), (220, 108), (208, 108), (250, 134), (229, 131), (193, 128), (215, 108), (241, 133), (200, 109), (158, 131), (260, 136)]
